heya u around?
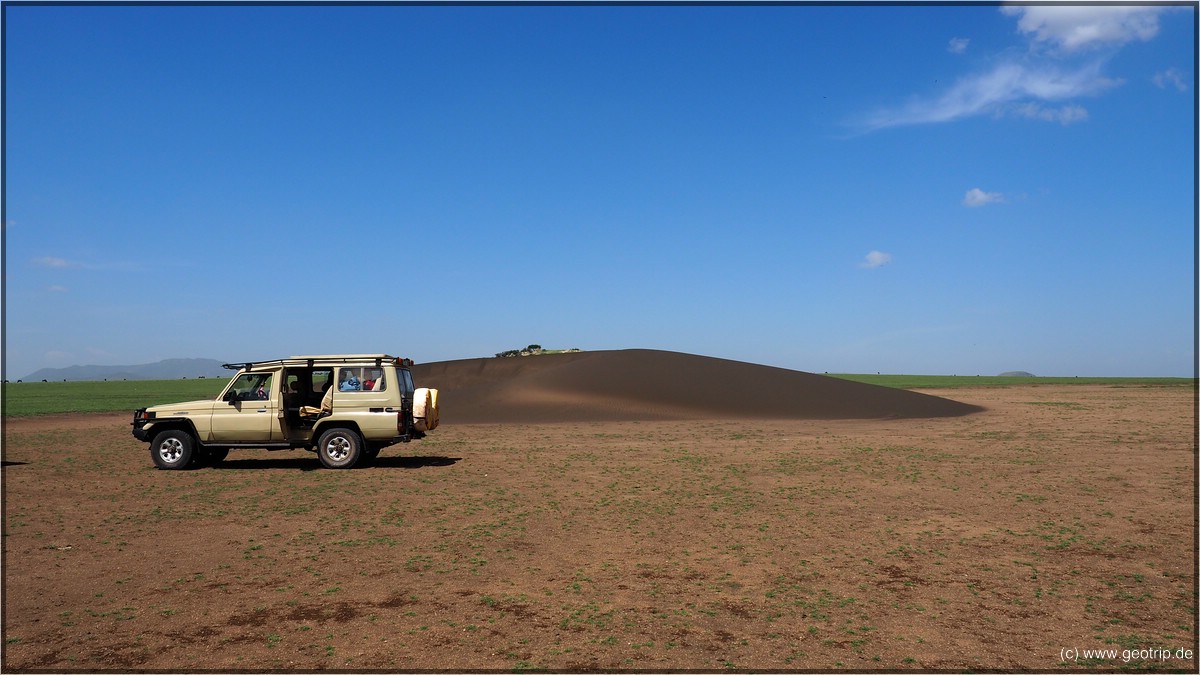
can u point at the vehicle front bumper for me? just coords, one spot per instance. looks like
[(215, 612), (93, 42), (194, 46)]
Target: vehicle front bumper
[(140, 431)]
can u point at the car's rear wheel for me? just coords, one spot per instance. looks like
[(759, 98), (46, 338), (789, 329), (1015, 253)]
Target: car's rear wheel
[(339, 448), (172, 449)]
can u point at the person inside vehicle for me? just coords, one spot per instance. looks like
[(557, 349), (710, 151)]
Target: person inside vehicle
[(350, 383), (369, 383)]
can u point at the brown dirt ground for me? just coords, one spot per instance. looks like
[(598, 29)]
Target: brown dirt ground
[(1060, 518)]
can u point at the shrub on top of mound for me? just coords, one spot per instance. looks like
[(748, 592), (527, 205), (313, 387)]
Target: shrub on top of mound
[(534, 350)]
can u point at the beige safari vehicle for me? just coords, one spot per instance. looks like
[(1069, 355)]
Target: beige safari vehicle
[(346, 408)]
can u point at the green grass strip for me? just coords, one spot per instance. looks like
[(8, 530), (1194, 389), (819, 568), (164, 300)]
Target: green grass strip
[(958, 381), (51, 398), (22, 399)]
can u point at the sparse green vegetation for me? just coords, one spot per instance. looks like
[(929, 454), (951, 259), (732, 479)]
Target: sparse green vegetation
[(697, 545)]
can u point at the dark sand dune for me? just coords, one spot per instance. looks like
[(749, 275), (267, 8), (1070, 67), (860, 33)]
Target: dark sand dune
[(641, 384)]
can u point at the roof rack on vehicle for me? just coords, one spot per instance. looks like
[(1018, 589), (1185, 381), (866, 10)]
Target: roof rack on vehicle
[(309, 361)]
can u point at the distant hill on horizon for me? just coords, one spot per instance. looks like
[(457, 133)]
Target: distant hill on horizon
[(167, 369), (646, 384)]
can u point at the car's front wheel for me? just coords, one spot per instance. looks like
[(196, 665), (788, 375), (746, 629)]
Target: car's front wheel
[(172, 449), (339, 448)]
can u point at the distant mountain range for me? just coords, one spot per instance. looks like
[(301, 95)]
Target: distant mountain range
[(167, 369)]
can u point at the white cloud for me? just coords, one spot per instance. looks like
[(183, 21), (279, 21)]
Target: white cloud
[(56, 288), (51, 261), (1170, 77), (997, 92), (1063, 65), (1068, 114), (875, 259), (976, 197), (1076, 27), (55, 262)]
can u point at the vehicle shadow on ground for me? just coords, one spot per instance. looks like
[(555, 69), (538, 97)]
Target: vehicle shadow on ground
[(312, 463), (411, 462)]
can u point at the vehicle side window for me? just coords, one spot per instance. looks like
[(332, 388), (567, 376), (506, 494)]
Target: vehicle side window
[(321, 381), (361, 378), (304, 386), (252, 386)]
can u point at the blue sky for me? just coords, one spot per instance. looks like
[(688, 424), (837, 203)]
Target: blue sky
[(897, 189)]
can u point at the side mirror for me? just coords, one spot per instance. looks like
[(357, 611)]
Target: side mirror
[(231, 397)]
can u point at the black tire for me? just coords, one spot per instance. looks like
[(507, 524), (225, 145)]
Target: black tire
[(172, 449), (339, 448)]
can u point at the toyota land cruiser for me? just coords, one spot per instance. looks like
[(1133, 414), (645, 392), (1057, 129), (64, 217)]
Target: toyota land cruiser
[(346, 408)]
